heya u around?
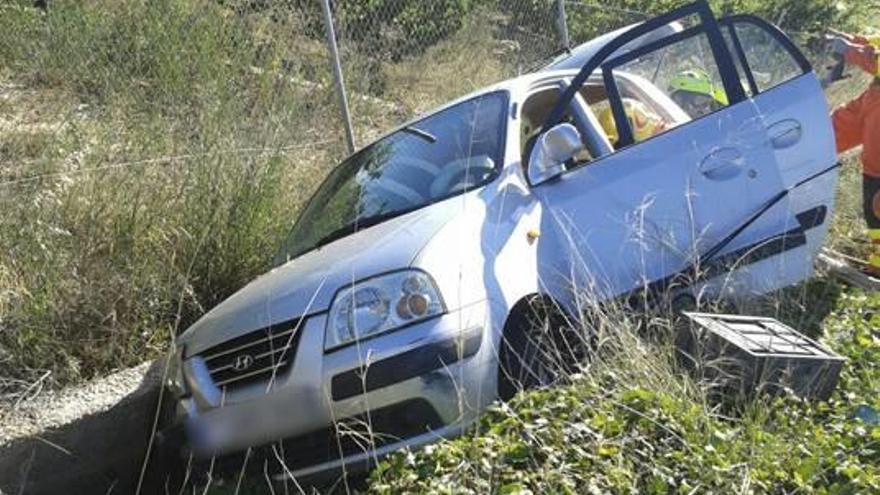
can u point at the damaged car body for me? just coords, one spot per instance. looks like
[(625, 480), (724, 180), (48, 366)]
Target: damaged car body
[(386, 322)]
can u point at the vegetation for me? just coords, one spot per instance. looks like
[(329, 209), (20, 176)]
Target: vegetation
[(634, 422), (153, 155), (155, 170)]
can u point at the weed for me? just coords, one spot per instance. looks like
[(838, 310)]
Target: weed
[(180, 178), (633, 422)]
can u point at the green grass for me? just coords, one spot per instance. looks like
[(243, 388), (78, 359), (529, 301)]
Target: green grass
[(634, 422)]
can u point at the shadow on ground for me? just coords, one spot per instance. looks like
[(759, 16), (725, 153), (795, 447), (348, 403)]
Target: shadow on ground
[(106, 452), (98, 453)]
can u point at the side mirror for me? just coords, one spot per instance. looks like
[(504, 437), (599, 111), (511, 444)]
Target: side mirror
[(553, 148)]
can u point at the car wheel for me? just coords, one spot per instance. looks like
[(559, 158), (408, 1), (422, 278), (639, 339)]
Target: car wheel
[(539, 347)]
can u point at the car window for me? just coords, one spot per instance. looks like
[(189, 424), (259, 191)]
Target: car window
[(534, 112), (642, 107), (446, 153), (737, 61), (665, 88), (770, 62)]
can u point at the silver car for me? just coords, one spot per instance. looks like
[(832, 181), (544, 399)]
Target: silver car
[(405, 288)]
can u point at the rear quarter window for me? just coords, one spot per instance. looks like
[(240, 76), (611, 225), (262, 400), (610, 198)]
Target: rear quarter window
[(770, 62)]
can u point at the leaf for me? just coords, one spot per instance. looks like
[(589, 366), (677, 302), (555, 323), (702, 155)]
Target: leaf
[(609, 450), (514, 489)]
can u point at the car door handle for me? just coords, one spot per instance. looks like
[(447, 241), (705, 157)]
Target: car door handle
[(722, 164), (785, 133)]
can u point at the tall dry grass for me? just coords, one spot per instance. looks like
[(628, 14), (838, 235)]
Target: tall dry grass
[(163, 181)]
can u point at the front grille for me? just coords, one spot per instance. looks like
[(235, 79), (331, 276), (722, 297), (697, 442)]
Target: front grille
[(254, 357)]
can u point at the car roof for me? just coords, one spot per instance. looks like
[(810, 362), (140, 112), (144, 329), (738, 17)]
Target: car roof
[(581, 54)]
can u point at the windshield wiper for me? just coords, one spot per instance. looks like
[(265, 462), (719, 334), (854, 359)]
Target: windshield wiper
[(427, 136)]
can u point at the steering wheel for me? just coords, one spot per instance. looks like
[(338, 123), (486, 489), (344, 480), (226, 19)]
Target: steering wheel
[(460, 174)]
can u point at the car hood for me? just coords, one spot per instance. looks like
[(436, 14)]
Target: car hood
[(307, 284)]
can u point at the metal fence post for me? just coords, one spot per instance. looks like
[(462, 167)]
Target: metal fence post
[(337, 72), (562, 23)]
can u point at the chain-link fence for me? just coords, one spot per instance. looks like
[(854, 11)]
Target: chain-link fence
[(401, 58), (414, 55), (514, 34)]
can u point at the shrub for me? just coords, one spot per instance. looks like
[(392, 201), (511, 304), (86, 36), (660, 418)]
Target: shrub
[(173, 170), (396, 28), (590, 19), (387, 29), (631, 422)]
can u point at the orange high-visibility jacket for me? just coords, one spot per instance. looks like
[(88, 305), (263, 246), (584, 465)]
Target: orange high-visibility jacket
[(866, 54), (858, 122)]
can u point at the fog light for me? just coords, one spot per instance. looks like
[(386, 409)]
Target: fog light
[(413, 306)]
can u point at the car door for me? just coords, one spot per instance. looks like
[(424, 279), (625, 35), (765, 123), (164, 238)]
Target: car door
[(665, 206), (793, 109)]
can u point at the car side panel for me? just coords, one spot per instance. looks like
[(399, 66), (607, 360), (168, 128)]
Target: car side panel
[(812, 159), (800, 101)]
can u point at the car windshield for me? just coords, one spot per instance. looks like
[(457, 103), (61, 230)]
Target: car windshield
[(442, 155)]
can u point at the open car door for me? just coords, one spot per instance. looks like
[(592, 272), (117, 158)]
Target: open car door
[(792, 105), (692, 197)]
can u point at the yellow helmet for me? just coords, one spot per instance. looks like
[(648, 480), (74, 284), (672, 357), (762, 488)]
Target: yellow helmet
[(698, 81), (696, 94), (643, 122)]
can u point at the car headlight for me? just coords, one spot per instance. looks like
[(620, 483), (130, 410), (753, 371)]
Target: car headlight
[(380, 304)]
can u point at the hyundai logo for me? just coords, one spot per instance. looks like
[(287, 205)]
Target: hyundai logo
[(243, 362)]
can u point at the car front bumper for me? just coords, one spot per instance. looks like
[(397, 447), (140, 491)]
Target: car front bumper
[(352, 405)]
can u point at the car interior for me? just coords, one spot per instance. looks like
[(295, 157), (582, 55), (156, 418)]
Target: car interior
[(593, 94)]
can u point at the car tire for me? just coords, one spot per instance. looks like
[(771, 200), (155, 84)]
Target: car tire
[(538, 347)]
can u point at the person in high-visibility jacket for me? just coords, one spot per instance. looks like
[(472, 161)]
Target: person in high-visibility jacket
[(696, 94), (858, 123), (643, 122)]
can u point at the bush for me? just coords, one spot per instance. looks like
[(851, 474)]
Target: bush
[(387, 29), (178, 156), (591, 19), (393, 29), (633, 423)]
